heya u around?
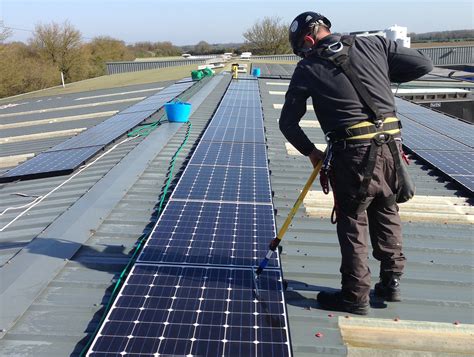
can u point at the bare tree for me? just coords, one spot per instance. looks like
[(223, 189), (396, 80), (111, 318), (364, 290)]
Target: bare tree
[(268, 36), (5, 32), (61, 45)]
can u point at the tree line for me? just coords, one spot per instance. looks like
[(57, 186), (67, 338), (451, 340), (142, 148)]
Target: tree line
[(443, 36), (59, 48)]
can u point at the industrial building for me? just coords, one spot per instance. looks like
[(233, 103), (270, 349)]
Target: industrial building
[(65, 239)]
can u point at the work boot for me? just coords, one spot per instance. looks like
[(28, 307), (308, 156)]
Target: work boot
[(388, 287), (335, 301)]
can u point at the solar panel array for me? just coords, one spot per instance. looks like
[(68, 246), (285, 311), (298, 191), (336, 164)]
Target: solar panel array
[(190, 292), (65, 157), (443, 141), (275, 70)]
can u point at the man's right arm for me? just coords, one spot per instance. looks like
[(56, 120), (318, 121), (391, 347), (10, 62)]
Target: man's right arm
[(406, 64)]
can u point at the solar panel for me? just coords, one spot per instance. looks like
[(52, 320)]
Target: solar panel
[(231, 154), (224, 183), (209, 233), (185, 80), (441, 124), (144, 107), (277, 71), (243, 85), (432, 142), (99, 135), (190, 292), (238, 118), (443, 141), (50, 163), (465, 180), (242, 135), (451, 163), (195, 311), (236, 122), (241, 99), (105, 132)]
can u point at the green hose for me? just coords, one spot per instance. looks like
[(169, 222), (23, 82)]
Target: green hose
[(142, 131)]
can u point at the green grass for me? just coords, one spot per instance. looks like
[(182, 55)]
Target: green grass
[(110, 81)]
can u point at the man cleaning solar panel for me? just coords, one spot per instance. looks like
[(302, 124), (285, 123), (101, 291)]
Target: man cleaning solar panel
[(348, 79)]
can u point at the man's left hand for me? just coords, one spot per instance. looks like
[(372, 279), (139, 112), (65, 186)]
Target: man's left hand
[(316, 156)]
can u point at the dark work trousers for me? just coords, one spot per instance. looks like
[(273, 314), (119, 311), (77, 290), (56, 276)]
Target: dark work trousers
[(383, 222)]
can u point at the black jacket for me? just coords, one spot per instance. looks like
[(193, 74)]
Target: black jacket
[(376, 60)]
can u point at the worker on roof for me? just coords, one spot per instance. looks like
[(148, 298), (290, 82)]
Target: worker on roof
[(348, 79)]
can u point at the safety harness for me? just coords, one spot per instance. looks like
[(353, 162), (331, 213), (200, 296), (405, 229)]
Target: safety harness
[(382, 129)]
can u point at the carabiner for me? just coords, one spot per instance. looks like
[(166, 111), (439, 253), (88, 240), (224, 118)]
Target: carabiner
[(330, 47)]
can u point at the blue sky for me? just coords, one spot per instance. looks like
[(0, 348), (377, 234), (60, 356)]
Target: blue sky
[(187, 21)]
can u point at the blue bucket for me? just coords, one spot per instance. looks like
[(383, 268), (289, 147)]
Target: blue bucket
[(178, 111), (256, 72)]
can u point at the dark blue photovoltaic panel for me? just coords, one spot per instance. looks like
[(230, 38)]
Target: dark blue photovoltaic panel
[(144, 107), (157, 99), (465, 180), (440, 123), (444, 142), (278, 71), (50, 163), (230, 154), (192, 311), (431, 141), (105, 132), (249, 113), (243, 86), (236, 122), (224, 183), (190, 292), (241, 135), (185, 80), (236, 100), (450, 162), (92, 140), (211, 233), (406, 107)]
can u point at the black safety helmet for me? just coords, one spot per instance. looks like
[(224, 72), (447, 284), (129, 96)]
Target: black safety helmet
[(301, 26)]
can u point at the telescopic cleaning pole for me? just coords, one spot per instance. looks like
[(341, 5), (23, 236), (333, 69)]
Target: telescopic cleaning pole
[(276, 241)]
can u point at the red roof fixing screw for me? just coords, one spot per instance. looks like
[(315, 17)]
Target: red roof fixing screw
[(456, 322), (319, 334), (330, 315), (396, 319), (347, 316)]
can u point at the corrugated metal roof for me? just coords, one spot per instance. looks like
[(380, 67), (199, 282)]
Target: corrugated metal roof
[(437, 286), (438, 282), (66, 313)]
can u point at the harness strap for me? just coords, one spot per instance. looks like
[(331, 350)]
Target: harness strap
[(379, 130), (341, 59), (369, 171), (365, 130)]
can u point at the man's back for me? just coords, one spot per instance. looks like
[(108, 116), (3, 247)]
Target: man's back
[(375, 60)]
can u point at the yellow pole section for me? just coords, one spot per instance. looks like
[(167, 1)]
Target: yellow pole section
[(300, 199)]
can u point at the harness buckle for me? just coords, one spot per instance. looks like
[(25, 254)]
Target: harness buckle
[(382, 138), (327, 138), (378, 123), (336, 47), (327, 159)]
